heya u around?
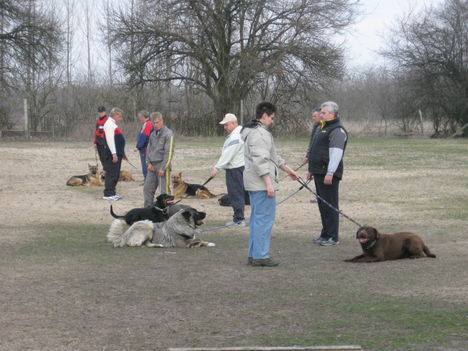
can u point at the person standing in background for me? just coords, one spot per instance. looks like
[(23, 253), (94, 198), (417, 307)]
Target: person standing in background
[(232, 161), (114, 153), (99, 136), (158, 158), (326, 168), (143, 139), (316, 123)]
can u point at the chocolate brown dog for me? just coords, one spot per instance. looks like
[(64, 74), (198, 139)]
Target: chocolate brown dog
[(380, 247)]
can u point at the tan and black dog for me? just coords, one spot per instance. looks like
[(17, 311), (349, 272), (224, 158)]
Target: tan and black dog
[(380, 247), (182, 189), (93, 178), (124, 176)]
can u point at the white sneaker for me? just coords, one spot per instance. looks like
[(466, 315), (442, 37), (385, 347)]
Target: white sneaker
[(235, 224), (113, 198)]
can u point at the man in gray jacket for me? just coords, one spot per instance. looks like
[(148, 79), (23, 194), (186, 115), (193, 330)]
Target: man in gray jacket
[(158, 159), (262, 165)]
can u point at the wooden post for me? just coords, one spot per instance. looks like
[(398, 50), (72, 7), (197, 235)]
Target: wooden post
[(421, 121), (242, 112), (26, 122)]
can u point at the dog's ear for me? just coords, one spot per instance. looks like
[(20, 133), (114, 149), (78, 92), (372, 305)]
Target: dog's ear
[(374, 232)]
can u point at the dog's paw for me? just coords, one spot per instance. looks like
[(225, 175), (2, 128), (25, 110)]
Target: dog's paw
[(211, 244)]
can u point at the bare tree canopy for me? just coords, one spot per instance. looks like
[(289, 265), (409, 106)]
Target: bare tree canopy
[(224, 47), (430, 50)]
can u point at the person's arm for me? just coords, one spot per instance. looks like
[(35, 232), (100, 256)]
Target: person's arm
[(338, 139), (109, 130), (168, 152), (143, 137), (231, 150)]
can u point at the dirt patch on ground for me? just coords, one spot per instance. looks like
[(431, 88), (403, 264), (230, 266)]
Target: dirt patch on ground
[(64, 288)]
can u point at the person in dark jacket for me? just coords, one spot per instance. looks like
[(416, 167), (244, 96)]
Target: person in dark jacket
[(99, 136), (114, 153), (143, 139), (316, 123), (326, 167)]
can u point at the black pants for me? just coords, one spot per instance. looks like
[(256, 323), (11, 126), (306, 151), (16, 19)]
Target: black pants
[(330, 218), (236, 192), (112, 174), (101, 150)]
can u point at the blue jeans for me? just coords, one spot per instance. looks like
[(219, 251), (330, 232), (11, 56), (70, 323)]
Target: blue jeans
[(262, 218), (144, 168)]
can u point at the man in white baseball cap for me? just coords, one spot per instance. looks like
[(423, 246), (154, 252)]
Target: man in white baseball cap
[(232, 160)]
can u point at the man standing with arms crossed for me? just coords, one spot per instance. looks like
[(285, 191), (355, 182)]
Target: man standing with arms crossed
[(232, 160), (326, 167), (114, 153), (158, 158)]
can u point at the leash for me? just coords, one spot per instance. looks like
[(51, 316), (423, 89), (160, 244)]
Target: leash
[(131, 164), (207, 181), (291, 195), (301, 181), (295, 170)]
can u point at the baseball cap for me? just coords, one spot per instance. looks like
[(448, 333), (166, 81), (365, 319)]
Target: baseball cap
[(228, 117), (101, 109)]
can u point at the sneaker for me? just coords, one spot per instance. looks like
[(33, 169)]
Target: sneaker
[(235, 224), (264, 262), (318, 240), (112, 198), (329, 242)]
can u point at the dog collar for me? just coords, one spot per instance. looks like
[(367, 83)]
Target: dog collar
[(372, 244)]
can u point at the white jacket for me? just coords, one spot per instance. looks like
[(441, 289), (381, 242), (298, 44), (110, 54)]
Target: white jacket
[(232, 155)]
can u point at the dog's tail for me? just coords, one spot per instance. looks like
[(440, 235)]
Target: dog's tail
[(428, 252), (114, 215), (116, 233)]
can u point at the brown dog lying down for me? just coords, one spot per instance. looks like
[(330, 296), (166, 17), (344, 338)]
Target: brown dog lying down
[(183, 189), (380, 247)]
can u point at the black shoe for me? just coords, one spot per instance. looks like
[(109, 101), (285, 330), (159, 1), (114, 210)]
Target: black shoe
[(264, 262), (249, 261)]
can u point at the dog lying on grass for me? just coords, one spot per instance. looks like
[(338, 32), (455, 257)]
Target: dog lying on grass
[(178, 231), (380, 247), (182, 188), (155, 213), (93, 178), (124, 176)]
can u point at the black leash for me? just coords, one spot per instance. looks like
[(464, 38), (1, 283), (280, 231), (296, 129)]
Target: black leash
[(295, 170), (207, 181), (131, 164), (291, 195), (301, 181)]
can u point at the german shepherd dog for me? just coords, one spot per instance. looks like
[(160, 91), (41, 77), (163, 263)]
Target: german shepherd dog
[(182, 189), (124, 176), (93, 178), (155, 213), (380, 247), (178, 231)]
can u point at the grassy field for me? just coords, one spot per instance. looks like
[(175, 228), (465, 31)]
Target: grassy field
[(64, 288)]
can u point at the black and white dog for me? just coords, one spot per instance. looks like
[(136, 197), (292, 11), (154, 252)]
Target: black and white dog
[(155, 213)]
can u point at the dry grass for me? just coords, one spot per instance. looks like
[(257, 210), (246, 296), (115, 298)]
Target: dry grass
[(64, 288)]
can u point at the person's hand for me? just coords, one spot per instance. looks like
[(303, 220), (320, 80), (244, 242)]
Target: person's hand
[(161, 173), (115, 159), (328, 179), (309, 176), (293, 175), (213, 173), (150, 167), (305, 160), (270, 191)]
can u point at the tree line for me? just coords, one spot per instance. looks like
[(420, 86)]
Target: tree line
[(195, 60)]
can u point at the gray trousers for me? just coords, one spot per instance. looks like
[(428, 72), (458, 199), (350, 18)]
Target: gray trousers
[(235, 188), (152, 182)]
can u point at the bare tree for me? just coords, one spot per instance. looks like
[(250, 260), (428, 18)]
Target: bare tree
[(225, 48), (431, 50)]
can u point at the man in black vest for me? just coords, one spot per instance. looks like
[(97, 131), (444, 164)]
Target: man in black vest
[(326, 167)]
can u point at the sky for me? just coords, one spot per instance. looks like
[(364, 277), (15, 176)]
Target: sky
[(366, 37)]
